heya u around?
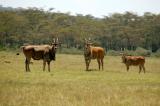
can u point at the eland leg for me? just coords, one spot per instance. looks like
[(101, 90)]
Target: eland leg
[(102, 63), (27, 64), (99, 64), (144, 69), (127, 67), (87, 64), (44, 65), (48, 65)]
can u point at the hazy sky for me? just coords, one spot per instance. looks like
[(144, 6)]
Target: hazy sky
[(97, 8)]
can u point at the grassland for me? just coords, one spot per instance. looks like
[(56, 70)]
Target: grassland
[(68, 84)]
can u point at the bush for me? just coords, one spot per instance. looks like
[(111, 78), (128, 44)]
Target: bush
[(118, 53), (2, 48), (142, 52), (130, 52), (157, 54), (70, 51), (113, 53), (138, 52)]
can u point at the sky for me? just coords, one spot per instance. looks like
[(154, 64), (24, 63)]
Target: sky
[(96, 8)]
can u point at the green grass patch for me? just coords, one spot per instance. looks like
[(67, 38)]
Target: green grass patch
[(68, 84)]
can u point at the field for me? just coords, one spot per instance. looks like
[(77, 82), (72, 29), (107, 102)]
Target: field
[(68, 84)]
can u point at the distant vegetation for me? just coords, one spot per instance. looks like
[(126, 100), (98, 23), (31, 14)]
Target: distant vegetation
[(116, 32)]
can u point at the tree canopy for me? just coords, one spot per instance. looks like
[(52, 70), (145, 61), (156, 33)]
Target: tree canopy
[(116, 31)]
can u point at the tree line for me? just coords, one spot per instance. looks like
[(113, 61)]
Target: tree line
[(117, 31)]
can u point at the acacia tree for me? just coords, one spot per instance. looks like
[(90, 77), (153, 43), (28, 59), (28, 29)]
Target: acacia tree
[(116, 31)]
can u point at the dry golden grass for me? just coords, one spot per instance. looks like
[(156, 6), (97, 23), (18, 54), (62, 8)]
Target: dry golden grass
[(68, 84)]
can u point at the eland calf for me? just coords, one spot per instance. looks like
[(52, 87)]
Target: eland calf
[(134, 61)]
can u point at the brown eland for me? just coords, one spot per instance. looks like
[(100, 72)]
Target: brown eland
[(93, 52), (134, 61), (47, 53)]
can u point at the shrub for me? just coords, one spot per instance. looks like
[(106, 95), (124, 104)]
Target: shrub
[(129, 52), (113, 53), (70, 51), (157, 54), (2, 48), (138, 52), (142, 52)]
